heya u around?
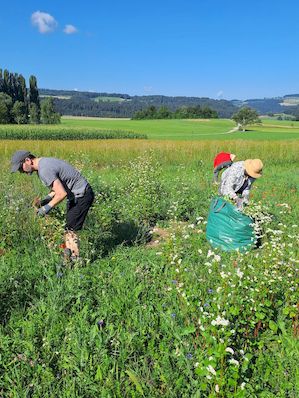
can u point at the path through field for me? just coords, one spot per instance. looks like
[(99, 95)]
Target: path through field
[(226, 132)]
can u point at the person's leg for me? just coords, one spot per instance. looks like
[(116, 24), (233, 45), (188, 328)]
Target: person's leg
[(75, 217), (71, 244)]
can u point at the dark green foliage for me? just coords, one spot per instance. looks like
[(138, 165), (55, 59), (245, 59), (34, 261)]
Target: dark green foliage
[(149, 113), (19, 112), (5, 85), (34, 114), (33, 92), (34, 100), (5, 108), (195, 112), (84, 104), (48, 114), (22, 89), (191, 112), (245, 116), (14, 86)]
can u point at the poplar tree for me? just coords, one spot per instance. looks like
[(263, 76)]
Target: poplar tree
[(22, 89), (34, 100), (1, 81), (6, 82)]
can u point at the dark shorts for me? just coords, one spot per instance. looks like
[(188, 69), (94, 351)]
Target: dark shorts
[(77, 210)]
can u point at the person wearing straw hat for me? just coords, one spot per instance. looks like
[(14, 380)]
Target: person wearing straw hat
[(222, 160), (237, 180), (64, 182)]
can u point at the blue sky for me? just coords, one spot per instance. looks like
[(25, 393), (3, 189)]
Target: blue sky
[(219, 49)]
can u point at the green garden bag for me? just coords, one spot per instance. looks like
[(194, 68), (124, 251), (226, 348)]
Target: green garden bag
[(228, 228)]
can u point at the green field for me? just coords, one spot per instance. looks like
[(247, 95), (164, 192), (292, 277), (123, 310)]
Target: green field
[(193, 129), (109, 99), (152, 311)]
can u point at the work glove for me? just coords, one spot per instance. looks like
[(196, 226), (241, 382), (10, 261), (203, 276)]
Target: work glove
[(46, 200), (239, 203), (42, 211)]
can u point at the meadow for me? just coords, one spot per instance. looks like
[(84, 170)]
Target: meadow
[(152, 310), (193, 129)]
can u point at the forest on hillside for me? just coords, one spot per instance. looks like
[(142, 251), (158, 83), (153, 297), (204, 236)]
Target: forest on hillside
[(78, 103)]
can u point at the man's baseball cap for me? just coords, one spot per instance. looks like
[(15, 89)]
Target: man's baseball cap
[(17, 158)]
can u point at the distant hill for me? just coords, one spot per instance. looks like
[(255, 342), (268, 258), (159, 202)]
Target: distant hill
[(288, 104), (264, 105), (84, 103), (290, 100), (81, 103)]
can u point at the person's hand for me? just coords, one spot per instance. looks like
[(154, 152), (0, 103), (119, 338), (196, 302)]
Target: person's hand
[(239, 203), (42, 211)]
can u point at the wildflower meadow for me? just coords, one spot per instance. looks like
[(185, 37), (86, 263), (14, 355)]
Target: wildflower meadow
[(152, 310)]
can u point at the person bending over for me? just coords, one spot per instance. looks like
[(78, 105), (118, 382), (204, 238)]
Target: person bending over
[(65, 182), (237, 180), (222, 161)]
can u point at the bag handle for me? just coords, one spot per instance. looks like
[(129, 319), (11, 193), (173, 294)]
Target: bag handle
[(220, 208)]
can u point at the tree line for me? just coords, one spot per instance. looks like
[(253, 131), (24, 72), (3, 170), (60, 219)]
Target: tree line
[(22, 105), (84, 104), (185, 112)]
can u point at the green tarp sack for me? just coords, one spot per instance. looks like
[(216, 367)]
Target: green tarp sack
[(228, 228)]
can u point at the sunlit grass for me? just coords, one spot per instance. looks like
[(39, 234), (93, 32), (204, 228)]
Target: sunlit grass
[(139, 320)]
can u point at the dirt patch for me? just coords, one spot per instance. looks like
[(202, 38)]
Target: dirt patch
[(159, 236)]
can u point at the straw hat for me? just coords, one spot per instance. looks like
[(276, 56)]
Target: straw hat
[(253, 167)]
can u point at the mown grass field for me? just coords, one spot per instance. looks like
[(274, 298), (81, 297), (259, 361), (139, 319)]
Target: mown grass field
[(197, 129), (109, 99), (154, 310)]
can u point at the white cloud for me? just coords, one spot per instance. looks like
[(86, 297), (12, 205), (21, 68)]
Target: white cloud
[(220, 94), (70, 29), (147, 89), (44, 22)]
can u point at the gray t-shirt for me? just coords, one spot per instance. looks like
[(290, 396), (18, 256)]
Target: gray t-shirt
[(51, 169)]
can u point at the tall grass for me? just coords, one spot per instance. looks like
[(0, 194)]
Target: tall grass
[(171, 319), (168, 152)]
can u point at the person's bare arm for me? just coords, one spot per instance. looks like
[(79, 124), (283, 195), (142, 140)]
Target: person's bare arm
[(58, 193)]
